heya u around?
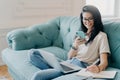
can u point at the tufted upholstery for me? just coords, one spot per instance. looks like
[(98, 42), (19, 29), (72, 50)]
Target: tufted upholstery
[(57, 32), (55, 36), (36, 36)]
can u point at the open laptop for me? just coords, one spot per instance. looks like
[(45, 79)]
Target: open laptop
[(63, 66)]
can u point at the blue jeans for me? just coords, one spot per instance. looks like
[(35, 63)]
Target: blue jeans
[(48, 72), (77, 62), (36, 59)]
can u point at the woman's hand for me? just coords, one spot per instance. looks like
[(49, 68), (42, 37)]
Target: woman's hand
[(102, 66), (93, 68), (73, 51), (78, 41)]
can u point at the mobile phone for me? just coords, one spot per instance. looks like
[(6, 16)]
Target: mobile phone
[(80, 34)]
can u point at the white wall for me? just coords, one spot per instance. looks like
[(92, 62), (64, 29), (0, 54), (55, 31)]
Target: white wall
[(117, 8), (17, 13)]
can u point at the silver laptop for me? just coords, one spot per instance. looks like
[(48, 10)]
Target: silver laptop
[(63, 66)]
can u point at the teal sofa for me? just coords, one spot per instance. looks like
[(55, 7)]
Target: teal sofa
[(56, 37)]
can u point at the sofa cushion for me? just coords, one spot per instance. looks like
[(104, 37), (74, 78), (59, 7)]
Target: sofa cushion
[(17, 61), (59, 52)]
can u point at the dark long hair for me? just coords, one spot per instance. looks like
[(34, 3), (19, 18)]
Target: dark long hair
[(98, 25)]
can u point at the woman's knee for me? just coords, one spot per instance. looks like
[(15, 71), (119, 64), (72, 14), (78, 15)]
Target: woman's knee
[(32, 55), (36, 59)]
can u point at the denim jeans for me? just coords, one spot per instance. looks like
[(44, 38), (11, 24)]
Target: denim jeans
[(77, 62), (36, 59), (46, 72)]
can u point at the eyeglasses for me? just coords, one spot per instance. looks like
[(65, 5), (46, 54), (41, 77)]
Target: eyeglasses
[(89, 19)]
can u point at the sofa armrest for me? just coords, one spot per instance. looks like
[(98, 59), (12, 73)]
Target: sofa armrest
[(36, 36)]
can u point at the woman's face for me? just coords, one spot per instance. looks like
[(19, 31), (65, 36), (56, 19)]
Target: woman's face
[(88, 20)]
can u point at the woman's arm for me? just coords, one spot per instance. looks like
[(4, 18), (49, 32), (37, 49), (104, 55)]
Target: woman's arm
[(72, 53), (103, 61), (102, 66)]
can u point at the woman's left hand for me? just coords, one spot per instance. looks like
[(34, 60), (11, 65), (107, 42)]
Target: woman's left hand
[(93, 68)]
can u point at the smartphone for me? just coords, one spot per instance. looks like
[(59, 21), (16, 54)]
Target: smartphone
[(80, 34)]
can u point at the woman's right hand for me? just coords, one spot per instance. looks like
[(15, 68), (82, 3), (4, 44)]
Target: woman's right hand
[(78, 41), (73, 51)]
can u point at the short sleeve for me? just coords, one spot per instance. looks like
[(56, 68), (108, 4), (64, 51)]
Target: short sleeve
[(104, 46)]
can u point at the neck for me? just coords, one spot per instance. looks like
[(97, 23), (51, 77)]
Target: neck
[(89, 32)]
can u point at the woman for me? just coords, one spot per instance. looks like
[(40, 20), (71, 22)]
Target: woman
[(95, 45), (84, 52)]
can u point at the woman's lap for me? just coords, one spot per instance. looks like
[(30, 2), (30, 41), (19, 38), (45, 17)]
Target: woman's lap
[(81, 64), (37, 60)]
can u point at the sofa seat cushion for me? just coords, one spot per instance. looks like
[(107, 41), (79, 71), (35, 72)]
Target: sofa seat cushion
[(18, 61), (74, 77), (59, 52)]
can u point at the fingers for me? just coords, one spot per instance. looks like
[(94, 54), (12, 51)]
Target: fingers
[(78, 39), (93, 68), (78, 42)]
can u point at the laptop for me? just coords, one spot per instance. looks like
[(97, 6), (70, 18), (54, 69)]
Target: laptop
[(54, 62)]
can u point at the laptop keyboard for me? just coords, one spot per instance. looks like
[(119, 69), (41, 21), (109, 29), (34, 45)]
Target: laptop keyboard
[(66, 68)]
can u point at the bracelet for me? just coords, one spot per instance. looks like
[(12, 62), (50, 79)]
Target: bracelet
[(74, 48)]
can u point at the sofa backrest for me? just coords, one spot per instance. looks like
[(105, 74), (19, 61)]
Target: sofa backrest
[(68, 27), (112, 28), (56, 32), (35, 36)]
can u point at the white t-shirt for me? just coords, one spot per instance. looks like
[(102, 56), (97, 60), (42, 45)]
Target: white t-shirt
[(91, 52)]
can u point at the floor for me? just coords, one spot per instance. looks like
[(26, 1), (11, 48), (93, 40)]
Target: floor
[(4, 75)]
